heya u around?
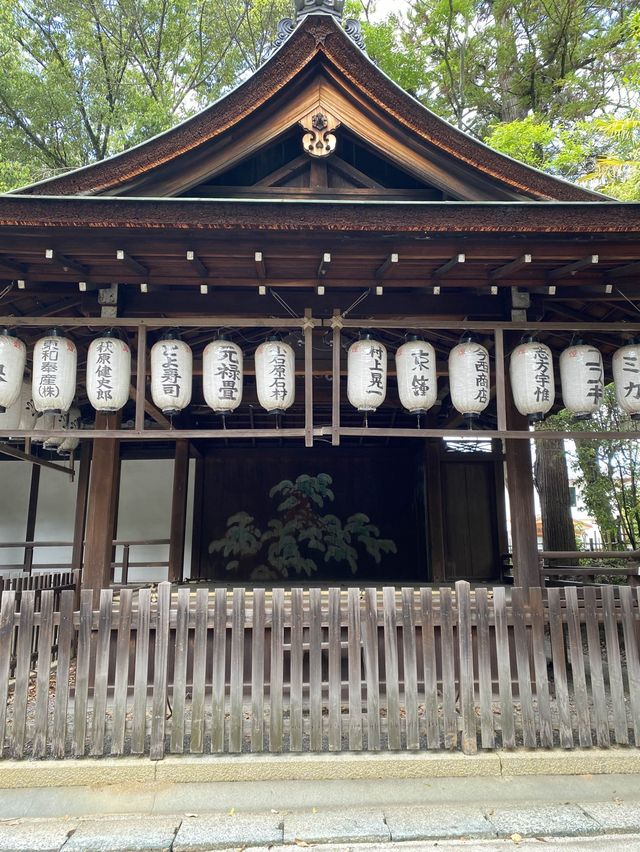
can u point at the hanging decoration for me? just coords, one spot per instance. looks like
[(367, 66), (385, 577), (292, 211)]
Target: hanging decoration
[(626, 375), (108, 373), (469, 378), (13, 357), (582, 378), (367, 373), (68, 445), (532, 379), (54, 373), (59, 423), (44, 424), (417, 376), (222, 364), (171, 374), (275, 375)]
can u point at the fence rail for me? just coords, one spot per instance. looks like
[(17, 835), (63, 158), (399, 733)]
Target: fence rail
[(315, 670)]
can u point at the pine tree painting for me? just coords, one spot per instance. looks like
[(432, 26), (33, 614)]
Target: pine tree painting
[(301, 536)]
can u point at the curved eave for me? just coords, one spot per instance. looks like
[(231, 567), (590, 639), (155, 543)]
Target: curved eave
[(317, 34), (288, 215)]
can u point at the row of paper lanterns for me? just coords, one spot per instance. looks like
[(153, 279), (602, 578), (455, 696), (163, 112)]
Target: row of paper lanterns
[(108, 376)]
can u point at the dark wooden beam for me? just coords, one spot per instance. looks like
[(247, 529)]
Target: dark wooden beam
[(572, 268), (261, 266), (151, 410), (82, 496), (510, 268), (12, 266), (289, 170), (133, 264), (179, 511), (67, 263), (441, 271), (323, 266), (435, 510), (101, 510), (197, 264), (32, 512), (15, 453), (381, 271), (625, 271)]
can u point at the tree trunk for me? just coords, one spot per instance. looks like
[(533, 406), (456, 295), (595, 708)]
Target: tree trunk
[(552, 482)]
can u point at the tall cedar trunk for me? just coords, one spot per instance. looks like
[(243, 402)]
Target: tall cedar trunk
[(552, 482)]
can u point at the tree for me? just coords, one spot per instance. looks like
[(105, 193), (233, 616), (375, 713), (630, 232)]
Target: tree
[(83, 79), (552, 483), (608, 472), (300, 536)]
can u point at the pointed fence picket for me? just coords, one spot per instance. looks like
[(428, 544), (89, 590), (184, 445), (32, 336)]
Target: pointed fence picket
[(168, 671)]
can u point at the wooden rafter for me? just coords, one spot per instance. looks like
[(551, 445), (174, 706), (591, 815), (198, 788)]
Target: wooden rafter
[(510, 268), (572, 268), (66, 263), (129, 261), (197, 264), (441, 271)]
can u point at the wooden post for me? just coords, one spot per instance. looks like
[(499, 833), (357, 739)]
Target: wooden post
[(101, 510), (526, 569), (31, 516), (179, 511), (82, 496), (435, 517)]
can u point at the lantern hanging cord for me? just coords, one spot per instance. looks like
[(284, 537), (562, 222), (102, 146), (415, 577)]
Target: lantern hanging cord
[(627, 299), (283, 304), (357, 302)]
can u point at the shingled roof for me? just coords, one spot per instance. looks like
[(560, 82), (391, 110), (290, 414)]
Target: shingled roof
[(318, 45)]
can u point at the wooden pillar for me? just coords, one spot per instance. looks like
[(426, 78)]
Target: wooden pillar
[(82, 495), (526, 570), (101, 510), (179, 511), (435, 516), (32, 512)]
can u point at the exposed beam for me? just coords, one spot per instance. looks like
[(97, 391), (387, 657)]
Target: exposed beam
[(381, 271), (12, 265), (572, 268), (151, 410), (624, 271), (448, 266), (197, 264), (15, 453), (129, 261), (323, 266), (510, 268), (261, 266), (67, 263)]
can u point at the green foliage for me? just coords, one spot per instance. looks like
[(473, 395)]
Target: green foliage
[(608, 471), (295, 541), (83, 79)]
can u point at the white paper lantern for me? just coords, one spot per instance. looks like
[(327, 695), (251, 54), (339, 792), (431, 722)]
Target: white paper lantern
[(68, 445), (582, 377), (54, 373), (44, 423), (13, 357), (275, 376), (59, 422), (171, 374), (222, 364), (28, 413), (108, 374), (532, 380), (10, 417), (417, 376), (469, 378), (626, 375), (367, 374)]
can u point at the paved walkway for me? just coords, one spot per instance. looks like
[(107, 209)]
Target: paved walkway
[(565, 813)]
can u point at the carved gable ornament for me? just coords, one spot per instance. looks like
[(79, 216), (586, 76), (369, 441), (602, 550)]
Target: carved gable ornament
[(319, 140), (312, 7)]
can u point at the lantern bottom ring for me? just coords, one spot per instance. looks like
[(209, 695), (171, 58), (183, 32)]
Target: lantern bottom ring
[(3, 409), (536, 418), (172, 412), (417, 411), (635, 417), (582, 418)]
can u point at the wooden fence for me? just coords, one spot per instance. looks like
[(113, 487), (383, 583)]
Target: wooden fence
[(316, 670)]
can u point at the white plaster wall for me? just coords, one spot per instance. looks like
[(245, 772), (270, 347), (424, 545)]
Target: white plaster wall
[(144, 513), (54, 519)]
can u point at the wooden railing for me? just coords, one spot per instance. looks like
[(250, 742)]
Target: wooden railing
[(320, 669), (588, 573), (125, 563)]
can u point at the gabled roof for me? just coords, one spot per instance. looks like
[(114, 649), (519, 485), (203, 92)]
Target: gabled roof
[(318, 64)]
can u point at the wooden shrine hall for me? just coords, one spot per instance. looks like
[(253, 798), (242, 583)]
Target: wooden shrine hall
[(357, 275)]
